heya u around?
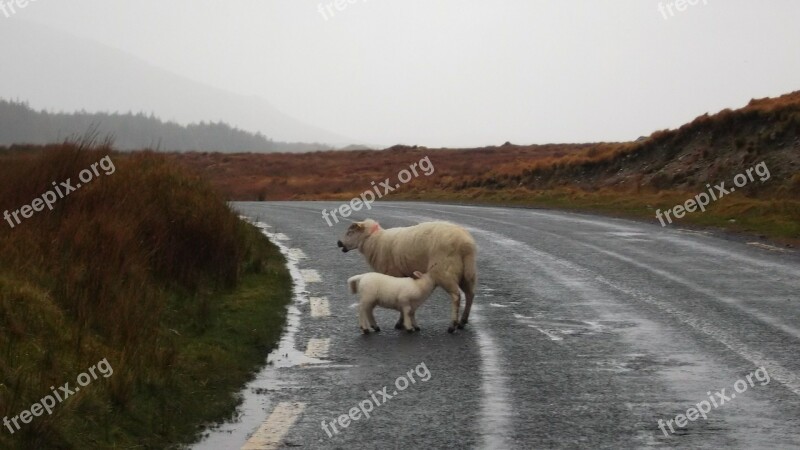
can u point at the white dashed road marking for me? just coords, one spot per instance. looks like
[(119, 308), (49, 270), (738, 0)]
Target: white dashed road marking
[(318, 348), (311, 276), (320, 307), (274, 429)]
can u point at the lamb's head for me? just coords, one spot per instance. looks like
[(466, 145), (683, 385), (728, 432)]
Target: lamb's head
[(425, 280), (356, 234)]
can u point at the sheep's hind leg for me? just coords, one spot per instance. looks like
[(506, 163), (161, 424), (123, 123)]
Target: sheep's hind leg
[(455, 299), (469, 296), (414, 320)]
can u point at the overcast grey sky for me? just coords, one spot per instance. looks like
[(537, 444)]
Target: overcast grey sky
[(461, 72)]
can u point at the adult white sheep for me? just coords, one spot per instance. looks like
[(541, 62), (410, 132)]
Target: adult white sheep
[(402, 294), (400, 252)]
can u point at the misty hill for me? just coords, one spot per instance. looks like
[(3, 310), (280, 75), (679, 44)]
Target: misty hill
[(20, 124), (633, 179), (710, 149), (60, 72)]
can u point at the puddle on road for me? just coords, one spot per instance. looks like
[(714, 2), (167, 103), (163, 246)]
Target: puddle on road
[(559, 329)]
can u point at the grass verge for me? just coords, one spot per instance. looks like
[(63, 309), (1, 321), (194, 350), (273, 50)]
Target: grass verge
[(774, 219), (145, 267)]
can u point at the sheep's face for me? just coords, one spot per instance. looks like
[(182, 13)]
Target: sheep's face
[(356, 234)]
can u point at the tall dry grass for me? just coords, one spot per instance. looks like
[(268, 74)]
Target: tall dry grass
[(97, 277)]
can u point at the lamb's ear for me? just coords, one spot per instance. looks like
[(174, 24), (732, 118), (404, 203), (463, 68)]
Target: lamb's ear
[(417, 275)]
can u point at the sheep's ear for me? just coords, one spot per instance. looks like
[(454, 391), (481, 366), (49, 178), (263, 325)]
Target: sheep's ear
[(417, 275)]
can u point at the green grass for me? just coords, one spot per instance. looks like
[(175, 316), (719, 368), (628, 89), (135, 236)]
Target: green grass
[(776, 219), (215, 354), (147, 268)]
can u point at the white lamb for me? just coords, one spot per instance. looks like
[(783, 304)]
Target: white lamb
[(401, 294)]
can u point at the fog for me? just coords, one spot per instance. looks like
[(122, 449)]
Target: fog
[(444, 73)]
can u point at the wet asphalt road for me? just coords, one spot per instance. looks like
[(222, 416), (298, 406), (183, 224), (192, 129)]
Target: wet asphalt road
[(586, 331)]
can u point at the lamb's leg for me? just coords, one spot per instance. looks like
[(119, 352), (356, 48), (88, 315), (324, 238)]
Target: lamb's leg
[(414, 320), (363, 323), (407, 322), (399, 324), (371, 318)]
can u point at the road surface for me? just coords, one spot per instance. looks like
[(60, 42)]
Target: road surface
[(586, 333)]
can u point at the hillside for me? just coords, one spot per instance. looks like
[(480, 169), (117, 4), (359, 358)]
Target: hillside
[(337, 174), (70, 73), (710, 149), (178, 299), (631, 178), (20, 124)]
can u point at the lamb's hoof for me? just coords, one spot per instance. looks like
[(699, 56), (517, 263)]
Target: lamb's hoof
[(460, 326), (377, 329), (464, 321), (410, 330), (363, 331), (451, 330), (417, 328), (399, 326)]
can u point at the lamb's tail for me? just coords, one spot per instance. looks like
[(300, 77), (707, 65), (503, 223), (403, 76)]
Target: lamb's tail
[(353, 283)]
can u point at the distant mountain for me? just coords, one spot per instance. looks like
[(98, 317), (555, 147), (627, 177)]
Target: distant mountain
[(61, 72), (19, 124)]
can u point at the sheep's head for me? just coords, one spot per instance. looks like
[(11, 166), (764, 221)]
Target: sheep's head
[(356, 234)]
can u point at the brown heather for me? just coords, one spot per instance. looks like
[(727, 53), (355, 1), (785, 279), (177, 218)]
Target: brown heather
[(596, 177), (126, 268)]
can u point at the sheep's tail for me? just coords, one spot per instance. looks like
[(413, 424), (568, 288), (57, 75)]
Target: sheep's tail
[(353, 283)]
